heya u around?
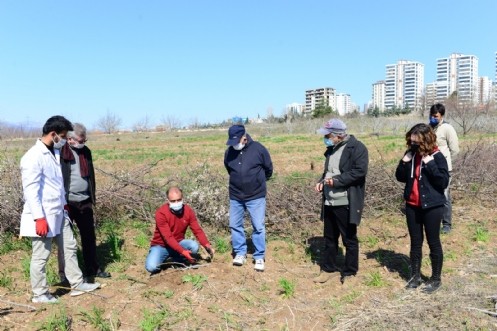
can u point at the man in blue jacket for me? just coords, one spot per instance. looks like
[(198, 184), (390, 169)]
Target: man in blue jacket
[(249, 165)]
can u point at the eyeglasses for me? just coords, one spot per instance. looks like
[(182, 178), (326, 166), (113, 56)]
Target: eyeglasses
[(173, 201)]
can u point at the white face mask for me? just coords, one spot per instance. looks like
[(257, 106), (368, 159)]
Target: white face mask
[(58, 144), (78, 146), (176, 206), (239, 146)]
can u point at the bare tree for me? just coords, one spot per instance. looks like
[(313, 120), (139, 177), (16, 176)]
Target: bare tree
[(170, 123), (142, 125), (109, 123), (466, 114)]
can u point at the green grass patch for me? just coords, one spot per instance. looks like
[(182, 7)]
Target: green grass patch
[(375, 279), (56, 322), (95, 317), (287, 287), (153, 320), (197, 280), (10, 243)]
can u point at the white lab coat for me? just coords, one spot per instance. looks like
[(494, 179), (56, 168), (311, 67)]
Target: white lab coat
[(43, 188)]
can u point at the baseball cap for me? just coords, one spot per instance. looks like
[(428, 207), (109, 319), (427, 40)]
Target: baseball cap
[(334, 125), (235, 133)]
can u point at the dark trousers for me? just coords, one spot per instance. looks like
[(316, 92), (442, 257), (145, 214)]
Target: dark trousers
[(429, 220), (336, 224), (82, 214)]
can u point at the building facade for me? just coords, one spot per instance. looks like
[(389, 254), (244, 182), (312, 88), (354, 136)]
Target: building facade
[(404, 85), (321, 96), (378, 96), (457, 73)]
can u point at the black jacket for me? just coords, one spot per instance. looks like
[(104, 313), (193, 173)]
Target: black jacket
[(249, 169), (66, 173), (353, 168), (434, 178)]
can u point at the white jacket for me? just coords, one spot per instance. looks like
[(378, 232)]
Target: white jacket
[(43, 188), (447, 141)]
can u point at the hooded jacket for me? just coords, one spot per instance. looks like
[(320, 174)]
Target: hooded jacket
[(249, 169), (433, 179)]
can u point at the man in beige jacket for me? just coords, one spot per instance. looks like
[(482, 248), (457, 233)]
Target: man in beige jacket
[(448, 143)]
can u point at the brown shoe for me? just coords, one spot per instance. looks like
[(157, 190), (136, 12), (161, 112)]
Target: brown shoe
[(323, 277)]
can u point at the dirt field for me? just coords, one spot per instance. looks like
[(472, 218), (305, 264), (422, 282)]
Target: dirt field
[(219, 296)]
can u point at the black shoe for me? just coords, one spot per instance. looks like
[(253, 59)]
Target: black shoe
[(102, 274), (445, 229), (432, 286), (413, 283), (343, 278)]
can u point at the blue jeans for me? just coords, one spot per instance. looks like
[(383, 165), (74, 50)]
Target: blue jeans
[(257, 211), (158, 254)]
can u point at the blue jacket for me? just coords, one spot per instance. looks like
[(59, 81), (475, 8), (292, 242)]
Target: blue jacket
[(432, 182), (249, 169)]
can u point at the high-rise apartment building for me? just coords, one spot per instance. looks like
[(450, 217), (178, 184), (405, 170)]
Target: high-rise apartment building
[(321, 96), (404, 84), (430, 94), (484, 89), (458, 73), (379, 95), (343, 104)]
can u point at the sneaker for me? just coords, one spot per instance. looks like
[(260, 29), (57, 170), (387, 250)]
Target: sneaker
[(259, 265), (84, 288), (44, 298), (445, 229), (239, 260)]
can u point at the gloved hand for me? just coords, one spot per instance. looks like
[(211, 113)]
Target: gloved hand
[(188, 256), (210, 250), (41, 227)]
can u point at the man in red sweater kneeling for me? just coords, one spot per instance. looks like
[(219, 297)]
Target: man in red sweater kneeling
[(171, 222)]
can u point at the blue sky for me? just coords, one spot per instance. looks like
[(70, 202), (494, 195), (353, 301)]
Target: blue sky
[(207, 61)]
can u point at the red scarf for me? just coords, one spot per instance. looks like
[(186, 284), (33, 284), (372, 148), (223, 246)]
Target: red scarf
[(68, 155), (414, 199)]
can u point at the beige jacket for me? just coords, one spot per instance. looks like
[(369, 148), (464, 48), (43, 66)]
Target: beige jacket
[(447, 141)]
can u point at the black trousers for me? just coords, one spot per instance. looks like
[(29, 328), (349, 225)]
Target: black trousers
[(429, 220), (336, 224), (82, 214)]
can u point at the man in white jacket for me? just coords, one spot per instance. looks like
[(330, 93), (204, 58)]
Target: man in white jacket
[(448, 143), (44, 217)]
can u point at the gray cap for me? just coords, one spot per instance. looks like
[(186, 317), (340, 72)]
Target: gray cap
[(334, 125)]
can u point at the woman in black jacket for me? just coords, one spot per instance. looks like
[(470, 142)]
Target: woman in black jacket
[(424, 170)]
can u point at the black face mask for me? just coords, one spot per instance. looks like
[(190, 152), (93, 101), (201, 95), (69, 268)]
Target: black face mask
[(414, 148)]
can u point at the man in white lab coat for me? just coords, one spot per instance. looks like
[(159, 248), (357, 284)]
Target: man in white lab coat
[(44, 217)]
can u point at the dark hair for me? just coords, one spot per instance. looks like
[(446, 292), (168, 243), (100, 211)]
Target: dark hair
[(437, 108), (427, 137), (58, 124)]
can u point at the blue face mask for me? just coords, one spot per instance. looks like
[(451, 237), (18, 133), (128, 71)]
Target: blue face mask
[(433, 121), (328, 142)]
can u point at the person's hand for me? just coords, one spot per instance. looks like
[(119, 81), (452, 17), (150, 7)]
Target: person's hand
[(209, 250), (41, 227), (67, 212), (407, 157), (319, 187), (427, 158), (329, 181), (188, 256)]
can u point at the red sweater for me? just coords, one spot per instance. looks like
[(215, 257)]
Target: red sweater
[(170, 229)]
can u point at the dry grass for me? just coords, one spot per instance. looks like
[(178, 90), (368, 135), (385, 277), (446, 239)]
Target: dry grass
[(133, 173)]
